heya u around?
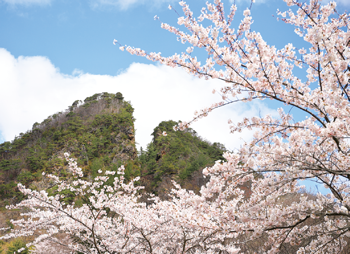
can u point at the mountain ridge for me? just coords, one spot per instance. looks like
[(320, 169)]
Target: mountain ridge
[(99, 133)]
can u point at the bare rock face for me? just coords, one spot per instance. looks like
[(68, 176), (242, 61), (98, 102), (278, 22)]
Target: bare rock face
[(193, 182)]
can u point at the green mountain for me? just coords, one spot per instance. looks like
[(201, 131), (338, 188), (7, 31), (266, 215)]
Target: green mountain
[(99, 132), (179, 156)]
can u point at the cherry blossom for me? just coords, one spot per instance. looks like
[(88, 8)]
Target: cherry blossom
[(283, 149), (111, 220)]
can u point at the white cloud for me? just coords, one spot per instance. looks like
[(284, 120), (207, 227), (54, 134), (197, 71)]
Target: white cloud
[(122, 4), (248, 1), (27, 2), (126, 4), (32, 89), (340, 2)]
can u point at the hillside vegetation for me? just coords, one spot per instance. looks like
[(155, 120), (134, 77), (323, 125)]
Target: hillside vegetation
[(179, 156), (99, 132)]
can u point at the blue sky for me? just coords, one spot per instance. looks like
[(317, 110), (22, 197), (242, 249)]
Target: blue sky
[(77, 34), (53, 52)]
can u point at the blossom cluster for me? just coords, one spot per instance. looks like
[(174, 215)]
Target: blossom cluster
[(111, 220), (283, 150)]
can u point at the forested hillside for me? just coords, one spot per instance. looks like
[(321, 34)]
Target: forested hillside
[(99, 133), (177, 155)]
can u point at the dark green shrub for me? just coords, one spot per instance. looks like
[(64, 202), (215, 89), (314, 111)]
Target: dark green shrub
[(16, 245), (25, 177)]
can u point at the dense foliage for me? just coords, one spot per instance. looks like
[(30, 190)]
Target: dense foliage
[(170, 154), (99, 132), (176, 155)]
